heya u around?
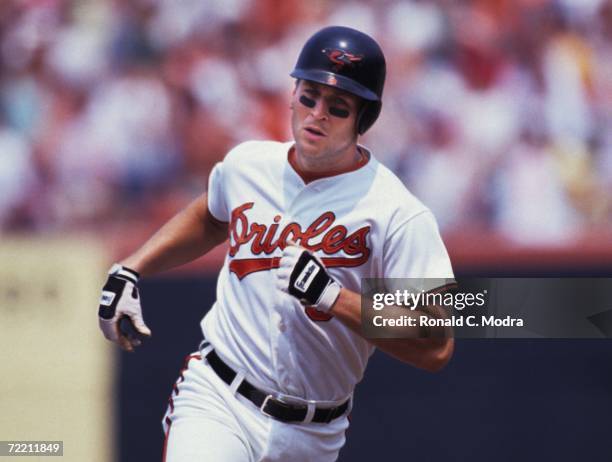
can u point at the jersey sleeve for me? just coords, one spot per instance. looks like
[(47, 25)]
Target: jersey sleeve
[(217, 204), (414, 250)]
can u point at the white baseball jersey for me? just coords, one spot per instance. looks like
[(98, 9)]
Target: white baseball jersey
[(363, 224)]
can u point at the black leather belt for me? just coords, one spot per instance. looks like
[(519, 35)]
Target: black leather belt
[(270, 405)]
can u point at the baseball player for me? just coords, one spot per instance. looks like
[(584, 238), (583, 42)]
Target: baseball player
[(306, 219)]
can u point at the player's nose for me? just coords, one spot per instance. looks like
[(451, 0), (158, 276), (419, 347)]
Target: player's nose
[(320, 109)]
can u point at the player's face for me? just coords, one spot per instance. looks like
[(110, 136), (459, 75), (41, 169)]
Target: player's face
[(324, 122)]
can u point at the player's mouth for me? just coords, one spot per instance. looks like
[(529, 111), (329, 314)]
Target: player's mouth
[(314, 132)]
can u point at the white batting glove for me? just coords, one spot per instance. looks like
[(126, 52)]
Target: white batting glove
[(303, 275), (120, 301)]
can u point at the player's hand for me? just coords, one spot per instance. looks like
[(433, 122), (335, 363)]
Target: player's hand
[(120, 301), (303, 275)]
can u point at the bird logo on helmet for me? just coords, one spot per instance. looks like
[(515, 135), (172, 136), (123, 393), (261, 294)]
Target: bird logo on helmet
[(341, 58)]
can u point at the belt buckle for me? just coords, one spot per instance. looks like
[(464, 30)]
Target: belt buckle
[(281, 405), (262, 408)]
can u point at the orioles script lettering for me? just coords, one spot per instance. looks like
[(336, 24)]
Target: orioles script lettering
[(321, 235)]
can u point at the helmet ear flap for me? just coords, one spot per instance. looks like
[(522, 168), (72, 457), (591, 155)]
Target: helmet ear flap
[(368, 114)]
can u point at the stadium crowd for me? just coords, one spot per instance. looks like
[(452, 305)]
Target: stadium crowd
[(497, 113)]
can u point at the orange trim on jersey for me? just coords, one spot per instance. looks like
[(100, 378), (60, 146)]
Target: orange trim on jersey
[(244, 266), (307, 177)]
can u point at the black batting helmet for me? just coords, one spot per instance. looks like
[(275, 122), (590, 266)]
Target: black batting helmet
[(345, 58)]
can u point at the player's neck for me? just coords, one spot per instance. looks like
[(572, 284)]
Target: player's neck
[(314, 169)]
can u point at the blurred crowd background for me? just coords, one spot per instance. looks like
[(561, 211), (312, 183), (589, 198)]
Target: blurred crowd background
[(497, 113)]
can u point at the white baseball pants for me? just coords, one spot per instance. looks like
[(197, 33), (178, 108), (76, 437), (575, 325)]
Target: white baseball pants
[(206, 421)]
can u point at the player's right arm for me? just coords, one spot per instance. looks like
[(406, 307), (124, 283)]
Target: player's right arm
[(187, 236)]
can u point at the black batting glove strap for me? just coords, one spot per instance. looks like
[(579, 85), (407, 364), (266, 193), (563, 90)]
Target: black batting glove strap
[(123, 272), (308, 280)]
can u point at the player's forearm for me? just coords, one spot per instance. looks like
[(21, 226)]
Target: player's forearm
[(430, 354), (188, 235)]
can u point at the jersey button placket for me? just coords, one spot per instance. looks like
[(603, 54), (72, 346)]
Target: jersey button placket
[(283, 357), (308, 191), (275, 340)]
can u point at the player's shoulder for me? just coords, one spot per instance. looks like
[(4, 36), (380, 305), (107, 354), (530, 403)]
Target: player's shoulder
[(256, 151), (394, 194)]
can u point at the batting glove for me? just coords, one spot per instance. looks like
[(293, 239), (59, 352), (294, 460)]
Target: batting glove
[(303, 275), (120, 301)]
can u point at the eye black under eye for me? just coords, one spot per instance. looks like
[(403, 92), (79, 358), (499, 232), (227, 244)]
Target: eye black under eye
[(336, 111), (306, 101)]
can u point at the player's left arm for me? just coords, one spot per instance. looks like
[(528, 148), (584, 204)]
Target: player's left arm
[(430, 350), (304, 276)]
